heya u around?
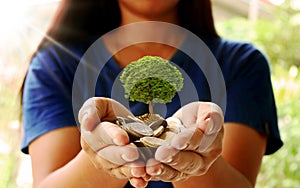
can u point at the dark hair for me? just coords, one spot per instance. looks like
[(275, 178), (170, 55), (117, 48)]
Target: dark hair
[(75, 19)]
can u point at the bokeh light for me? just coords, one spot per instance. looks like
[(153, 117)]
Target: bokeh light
[(23, 23)]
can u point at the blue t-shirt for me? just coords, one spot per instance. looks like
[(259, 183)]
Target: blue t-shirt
[(47, 97)]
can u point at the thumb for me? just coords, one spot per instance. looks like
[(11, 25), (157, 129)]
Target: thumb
[(98, 109), (210, 122)]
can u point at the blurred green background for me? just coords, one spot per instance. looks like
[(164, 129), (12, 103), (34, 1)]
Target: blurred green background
[(278, 37)]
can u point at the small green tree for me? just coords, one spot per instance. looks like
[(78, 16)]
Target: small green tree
[(151, 79)]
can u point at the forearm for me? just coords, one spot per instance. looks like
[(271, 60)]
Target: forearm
[(80, 172), (220, 174)]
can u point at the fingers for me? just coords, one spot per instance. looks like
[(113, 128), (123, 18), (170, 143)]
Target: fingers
[(160, 171), (187, 162), (111, 156), (206, 116), (210, 119), (134, 169), (193, 139), (138, 182), (119, 154), (88, 116), (113, 108), (189, 153), (135, 172), (187, 139), (107, 144), (98, 109), (199, 113), (104, 134), (111, 143)]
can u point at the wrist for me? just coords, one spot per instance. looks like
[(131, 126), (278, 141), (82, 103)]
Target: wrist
[(93, 176), (220, 174)]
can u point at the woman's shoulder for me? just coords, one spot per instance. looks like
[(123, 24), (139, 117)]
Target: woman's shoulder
[(57, 57), (237, 55), (237, 47), (56, 50)]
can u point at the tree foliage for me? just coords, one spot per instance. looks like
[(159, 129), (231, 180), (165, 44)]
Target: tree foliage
[(151, 79), (278, 38)]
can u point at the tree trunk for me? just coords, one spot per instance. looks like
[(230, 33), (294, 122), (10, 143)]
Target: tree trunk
[(151, 104)]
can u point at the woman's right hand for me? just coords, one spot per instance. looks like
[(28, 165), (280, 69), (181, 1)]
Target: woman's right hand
[(107, 144)]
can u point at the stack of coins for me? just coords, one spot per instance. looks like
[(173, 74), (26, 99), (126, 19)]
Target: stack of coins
[(148, 132)]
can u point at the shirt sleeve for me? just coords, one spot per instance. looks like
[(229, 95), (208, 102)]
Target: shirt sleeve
[(250, 98), (46, 102)]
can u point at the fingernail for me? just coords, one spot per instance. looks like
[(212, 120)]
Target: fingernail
[(84, 117), (84, 123), (147, 178), (167, 160), (137, 175), (175, 120), (181, 147), (210, 129), (159, 171), (117, 141), (126, 158)]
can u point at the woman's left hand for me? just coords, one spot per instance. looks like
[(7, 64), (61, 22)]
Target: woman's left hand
[(195, 148)]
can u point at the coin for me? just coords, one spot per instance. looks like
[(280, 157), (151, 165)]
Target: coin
[(136, 119), (137, 130), (122, 120), (167, 135), (174, 125), (149, 131), (149, 118), (145, 152), (155, 124), (152, 141), (157, 132)]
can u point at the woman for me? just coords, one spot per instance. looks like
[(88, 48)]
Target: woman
[(52, 139)]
